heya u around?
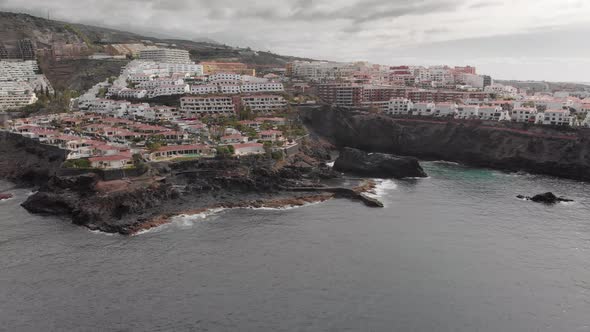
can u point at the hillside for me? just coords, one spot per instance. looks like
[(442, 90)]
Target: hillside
[(45, 33)]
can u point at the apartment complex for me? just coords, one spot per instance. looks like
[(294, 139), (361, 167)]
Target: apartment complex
[(264, 103), (192, 107), (166, 55)]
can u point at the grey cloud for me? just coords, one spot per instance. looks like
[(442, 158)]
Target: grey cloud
[(374, 30)]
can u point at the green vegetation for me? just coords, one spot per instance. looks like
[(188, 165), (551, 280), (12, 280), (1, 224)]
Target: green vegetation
[(77, 163), (153, 146), (277, 155), (59, 102), (247, 114), (138, 163), (225, 151)]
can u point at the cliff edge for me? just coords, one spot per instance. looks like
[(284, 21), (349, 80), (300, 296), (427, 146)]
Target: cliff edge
[(533, 149)]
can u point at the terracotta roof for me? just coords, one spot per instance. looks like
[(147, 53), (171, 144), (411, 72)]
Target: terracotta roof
[(182, 147)]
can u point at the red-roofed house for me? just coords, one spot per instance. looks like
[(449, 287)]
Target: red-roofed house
[(229, 139), (111, 162), (176, 151), (248, 148), (271, 135)]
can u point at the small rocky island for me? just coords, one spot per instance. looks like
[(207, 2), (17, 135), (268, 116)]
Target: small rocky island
[(546, 198), (379, 165)]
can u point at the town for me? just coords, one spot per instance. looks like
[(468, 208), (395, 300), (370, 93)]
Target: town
[(163, 106)]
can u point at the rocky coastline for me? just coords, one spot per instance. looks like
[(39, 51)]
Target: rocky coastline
[(559, 152), (130, 205)]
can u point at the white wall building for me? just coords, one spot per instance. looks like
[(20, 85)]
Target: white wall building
[(14, 95), (492, 113), (169, 90), (191, 107), (204, 89), (524, 114), (264, 103), (166, 55), (399, 106), (502, 90), (230, 88), (262, 87), (445, 109), (557, 117), (467, 112), (132, 93), (423, 109)]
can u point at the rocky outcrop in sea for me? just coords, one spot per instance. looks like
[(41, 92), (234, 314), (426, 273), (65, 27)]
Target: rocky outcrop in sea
[(379, 165)]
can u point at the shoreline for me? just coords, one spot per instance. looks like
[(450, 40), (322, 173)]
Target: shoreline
[(271, 204)]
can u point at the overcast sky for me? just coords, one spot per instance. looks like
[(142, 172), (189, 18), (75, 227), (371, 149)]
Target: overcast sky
[(508, 39)]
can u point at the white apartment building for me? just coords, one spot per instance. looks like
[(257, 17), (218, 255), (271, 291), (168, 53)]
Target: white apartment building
[(557, 117), (159, 82), (473, 80), (133, 93), (204, 89), (467, 112), (169, 90), (492, 113), (262, 87), (502, 90), (445, 109), (14, 95), (264, 103), (201, 106), (18, 70), (399, 106), (230, 89), (183, 68), (166, 55), (253, 79), (317, 70), (524, 114), (140, 78), (423, 109), (225, 77), (442, 75)]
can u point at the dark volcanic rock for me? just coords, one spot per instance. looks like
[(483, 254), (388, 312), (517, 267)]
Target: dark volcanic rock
[(28, 162), (509, 146), (378, 164), (547, 198)]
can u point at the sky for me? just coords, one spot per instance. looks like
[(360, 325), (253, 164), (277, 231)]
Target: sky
[(508, 39)]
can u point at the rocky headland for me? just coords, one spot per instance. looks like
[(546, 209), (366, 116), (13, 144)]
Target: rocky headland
[(167, 189)]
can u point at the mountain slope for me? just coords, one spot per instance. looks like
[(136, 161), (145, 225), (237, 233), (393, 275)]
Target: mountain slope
[(44, 33)]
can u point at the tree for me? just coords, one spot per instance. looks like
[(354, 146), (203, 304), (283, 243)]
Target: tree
[(277, 155), (225, 151), (138, 163), (77, 163), (153, 146), (247, 114)]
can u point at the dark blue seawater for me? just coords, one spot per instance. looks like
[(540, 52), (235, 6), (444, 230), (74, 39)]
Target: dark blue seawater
[(454, 252)]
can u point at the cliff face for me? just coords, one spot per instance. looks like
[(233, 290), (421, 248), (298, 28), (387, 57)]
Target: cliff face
[(26, 161), (537, 150)]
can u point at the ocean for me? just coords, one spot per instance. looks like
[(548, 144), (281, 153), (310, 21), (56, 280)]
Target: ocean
[(454, 252)]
